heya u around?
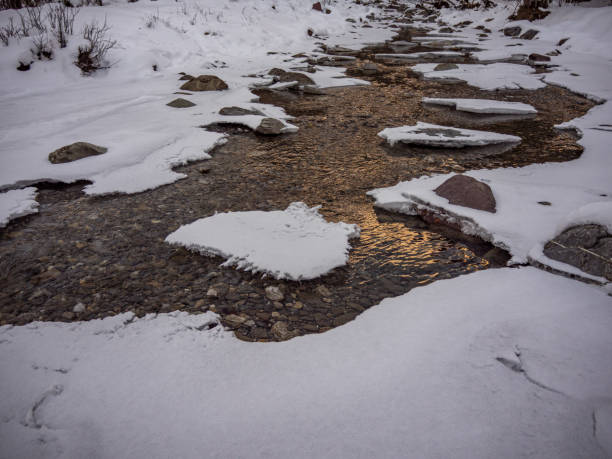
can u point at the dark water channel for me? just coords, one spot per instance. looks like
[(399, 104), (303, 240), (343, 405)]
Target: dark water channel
[(108, 252)]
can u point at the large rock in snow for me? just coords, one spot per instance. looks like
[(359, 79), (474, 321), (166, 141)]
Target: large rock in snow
[(587, 247), (205, 83), (75, 151), (285, 77), (465, 191), (512, 31)]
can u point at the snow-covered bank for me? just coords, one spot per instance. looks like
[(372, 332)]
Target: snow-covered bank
[(522, 225), (124, 108), (501, 363)]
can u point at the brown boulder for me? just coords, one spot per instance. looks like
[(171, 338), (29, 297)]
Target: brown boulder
[(317, 6), (285, 77), (530, 34), (238, 111), (75, 151), (465, 191), (205, 83), (512, 31), (180, 103)]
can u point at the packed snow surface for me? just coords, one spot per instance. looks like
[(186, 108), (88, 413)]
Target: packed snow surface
[(296, 243), (487, 106), (501, 363), (443, 136), (17, 203)]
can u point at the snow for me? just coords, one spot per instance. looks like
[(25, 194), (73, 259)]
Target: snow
[(443, 136), (124, 108), (17, 203), (500, 363), (484, 106), (416, 376), (296, 243), (485, 76)]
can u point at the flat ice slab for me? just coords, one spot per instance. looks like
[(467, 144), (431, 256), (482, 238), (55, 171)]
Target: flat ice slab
[(485, 76), (17, 203), (487, 106), (435, 135), (295, 243)]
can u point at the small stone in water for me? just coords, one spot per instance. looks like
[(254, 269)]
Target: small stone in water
[(274, 293)]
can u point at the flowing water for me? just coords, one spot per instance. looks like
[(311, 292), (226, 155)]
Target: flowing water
[(108, 253)]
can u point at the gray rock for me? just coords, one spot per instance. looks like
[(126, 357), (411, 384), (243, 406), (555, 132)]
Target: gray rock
[(274, 293), (323, 291), (281, 332), (587, 247), (75, 151), (445, 66), (465, 191), (205, 83), (270, 126), (530, 34), (233, 321), (369, 68), (180, 103), (512, 31), (238, 111), (79, 307)]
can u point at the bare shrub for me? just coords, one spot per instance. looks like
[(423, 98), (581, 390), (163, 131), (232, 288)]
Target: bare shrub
[(152, 20), (61, 20), (10, 4), (11, 30), (43, 48), (92, 56)]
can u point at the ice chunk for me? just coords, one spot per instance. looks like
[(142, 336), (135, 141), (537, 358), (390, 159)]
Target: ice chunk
[(488, 106), (296, 243), (443, 136)]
